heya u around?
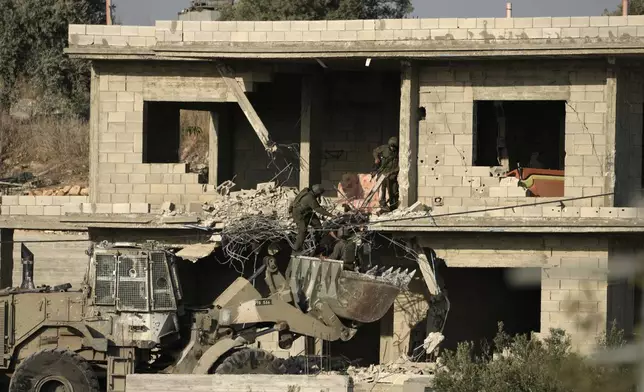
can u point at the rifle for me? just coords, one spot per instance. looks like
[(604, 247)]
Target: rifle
[(376, 169)]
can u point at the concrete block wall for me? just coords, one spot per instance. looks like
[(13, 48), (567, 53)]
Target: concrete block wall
[(55, 262), (41, 205), (497, 31), (122, 176), (573, 281), (445, 161)]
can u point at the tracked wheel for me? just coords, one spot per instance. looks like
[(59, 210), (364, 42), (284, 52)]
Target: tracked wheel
[(250, 361), (54, 371)]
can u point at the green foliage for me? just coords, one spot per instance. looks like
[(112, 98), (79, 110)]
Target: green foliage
[(33, 34), (522, 363), (316, 9), (635, 7)]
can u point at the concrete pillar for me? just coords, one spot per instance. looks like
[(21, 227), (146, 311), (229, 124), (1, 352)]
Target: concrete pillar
[(213, 149), (6, 258), (94, 128), (305, 132), (387, 353), (408, 134), (311, 128), (610, 97)]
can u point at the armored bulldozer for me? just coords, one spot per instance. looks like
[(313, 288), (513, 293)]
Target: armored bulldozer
[(130, 316)]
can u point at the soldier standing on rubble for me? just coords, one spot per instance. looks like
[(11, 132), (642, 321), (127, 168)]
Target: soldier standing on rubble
[(304, 209), (386, 158)]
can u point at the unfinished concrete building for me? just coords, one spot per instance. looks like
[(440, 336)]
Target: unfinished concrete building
[(556, 102)]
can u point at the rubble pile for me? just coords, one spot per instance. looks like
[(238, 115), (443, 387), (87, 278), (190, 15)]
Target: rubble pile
[(417, 210), (267, 200), (392, 373), (69, 190)]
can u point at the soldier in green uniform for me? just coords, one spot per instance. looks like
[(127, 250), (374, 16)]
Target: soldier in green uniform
[(304, 209), (386, 158)]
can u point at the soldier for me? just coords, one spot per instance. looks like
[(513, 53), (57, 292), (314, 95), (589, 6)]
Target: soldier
[(386, 158), (303, 211)]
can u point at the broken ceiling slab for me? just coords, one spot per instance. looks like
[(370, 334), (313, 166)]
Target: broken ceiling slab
[(197, 252)]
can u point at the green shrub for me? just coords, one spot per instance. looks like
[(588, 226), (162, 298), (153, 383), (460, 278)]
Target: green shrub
[(522, 363)]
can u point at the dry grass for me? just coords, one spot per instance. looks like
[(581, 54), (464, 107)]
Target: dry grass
[(55, 149), (194, 137)]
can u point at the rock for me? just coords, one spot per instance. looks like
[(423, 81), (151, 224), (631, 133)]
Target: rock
[(74, 191), (38, 192), (66, 190), (84, 192), (48, 192), (196, 207), (59, 192), (167, 207), (418, 207), (266, 186)]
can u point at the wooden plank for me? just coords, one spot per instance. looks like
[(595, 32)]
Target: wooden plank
[(248, 109), (235, 383)]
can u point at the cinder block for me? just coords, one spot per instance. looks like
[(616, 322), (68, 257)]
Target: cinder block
[(121, 208), (608, 212), (102, 208), (261, 26), (52, 210), (44, 200), (503, 23), (571, 212), (17, 210), (5, 210), (10, 201), (77, 29), (448, 23), (35, 210), (542, 22), (589, 212), (297, 25), (140, 208), (617, 20), (286, 25), (88, 208), (27, 200), (561, 21), (72, 208), (551, 212), (430, 23)]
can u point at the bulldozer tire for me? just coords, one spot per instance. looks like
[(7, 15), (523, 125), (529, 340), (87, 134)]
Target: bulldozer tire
[(54, 370), (250, 361)]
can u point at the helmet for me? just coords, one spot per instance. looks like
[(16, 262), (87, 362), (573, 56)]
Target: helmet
[(317, 190), (393, 142)]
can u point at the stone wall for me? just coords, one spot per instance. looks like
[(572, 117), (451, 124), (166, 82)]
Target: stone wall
[(574, 274), (501, 31), (55, 262), (445, 162)]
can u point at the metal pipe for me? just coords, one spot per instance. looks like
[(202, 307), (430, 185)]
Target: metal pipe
[(27, 268), (508, 10), (108, 12), (624, 7)]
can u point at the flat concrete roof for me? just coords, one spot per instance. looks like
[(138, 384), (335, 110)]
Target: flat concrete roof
[(393, 38)]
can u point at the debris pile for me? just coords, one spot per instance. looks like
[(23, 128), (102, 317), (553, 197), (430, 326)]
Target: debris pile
[(396, 372), (69, 190), (417, 210), (267, 200)]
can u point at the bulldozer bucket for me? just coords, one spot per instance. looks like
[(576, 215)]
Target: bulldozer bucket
[(364, 298)]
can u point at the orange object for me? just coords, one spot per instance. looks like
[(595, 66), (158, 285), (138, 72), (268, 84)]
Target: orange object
[(540, 182), (356, 187)]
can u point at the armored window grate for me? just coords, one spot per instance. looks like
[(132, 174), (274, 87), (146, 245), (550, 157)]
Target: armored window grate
[(105, 281), (132, 291), (3, 329), (161, 283)]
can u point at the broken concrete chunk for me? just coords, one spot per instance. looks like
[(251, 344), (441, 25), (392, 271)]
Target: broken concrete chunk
[(167, 207), (74, 191), (266, 186), (418, 207), (84, 192), (196, 207), (215, 238)]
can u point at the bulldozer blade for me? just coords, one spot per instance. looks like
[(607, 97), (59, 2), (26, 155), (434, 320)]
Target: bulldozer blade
[(372, 271), (361, 297)]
